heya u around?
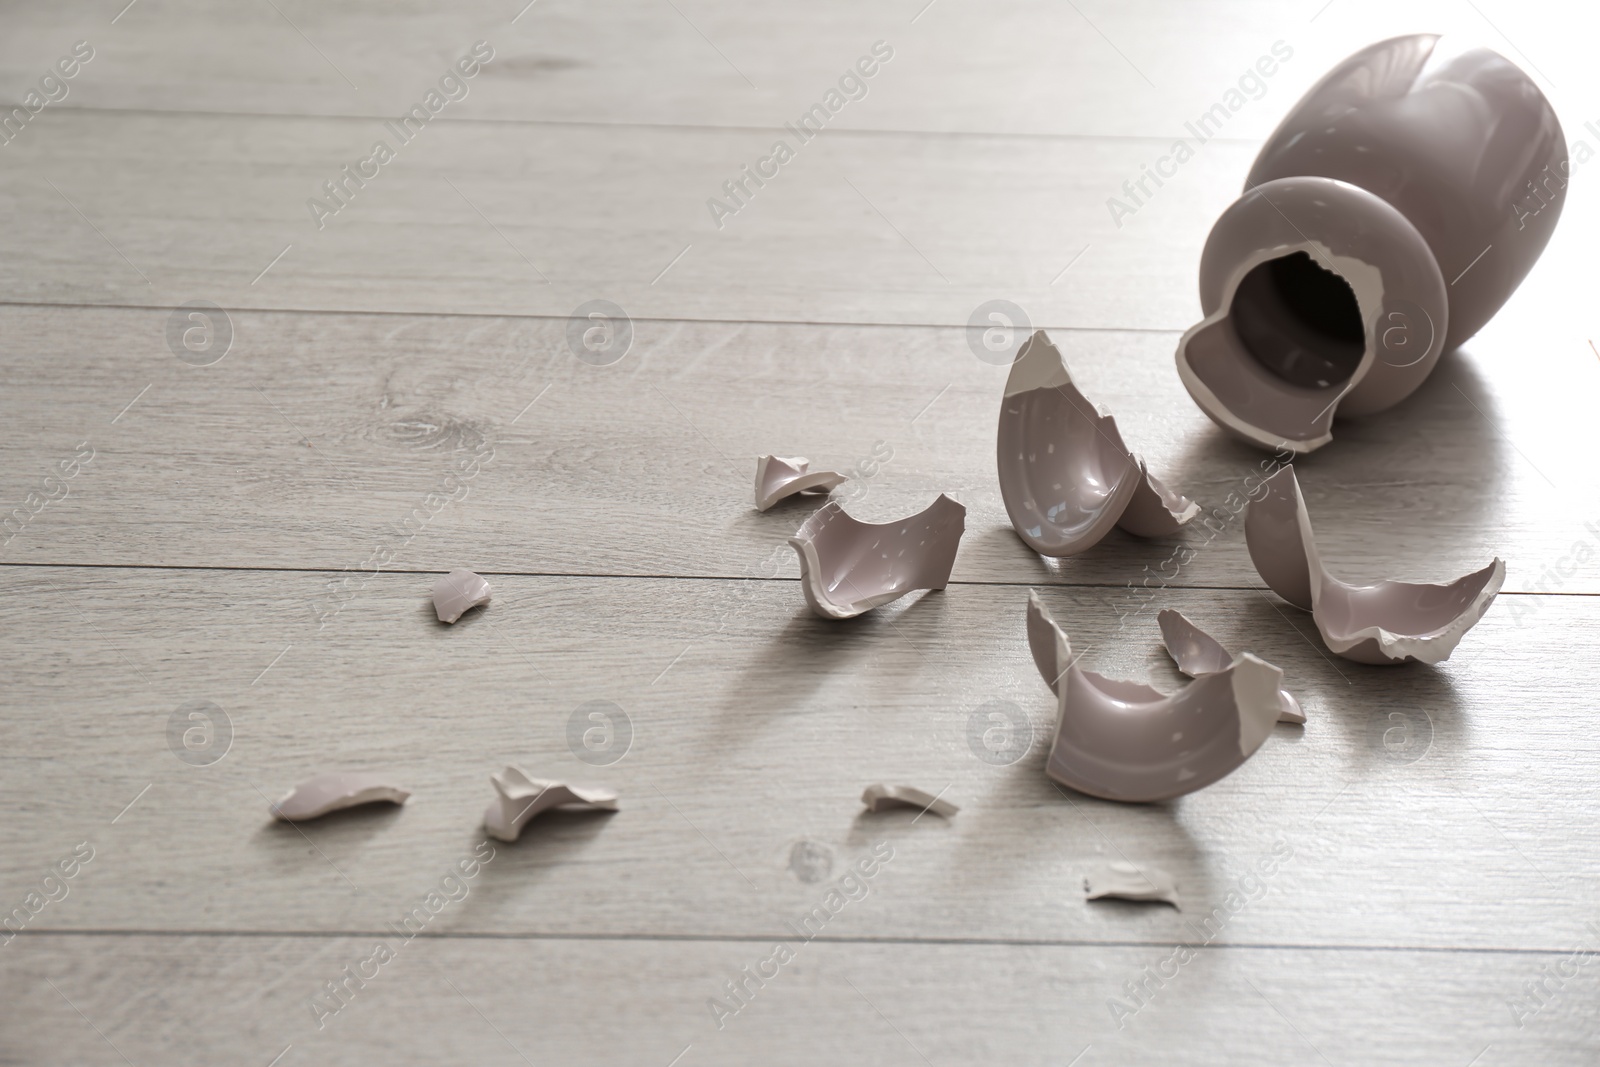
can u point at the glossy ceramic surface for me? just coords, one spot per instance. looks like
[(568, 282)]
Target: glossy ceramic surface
[(1126, 741), (1065, 475), (1197, 652), (848, 566), (1390, 215), (1370, 622)]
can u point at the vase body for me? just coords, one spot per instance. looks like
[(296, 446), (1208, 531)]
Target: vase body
[(1390, 215)]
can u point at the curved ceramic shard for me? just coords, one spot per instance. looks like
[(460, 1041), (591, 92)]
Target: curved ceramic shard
[(457, 593), (520, 798), (1126, 741), (778, 478), (322, 793), (1127, 881), (878, 796), (1065, 475), (1154, 510), (1385, 221), (1372, 622), (1197, 652), (848, 566), (1048, 643)]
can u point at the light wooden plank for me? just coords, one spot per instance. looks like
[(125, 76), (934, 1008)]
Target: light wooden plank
[(754, 729), (317, 441), (1011, 66), (524, 219), (244, 1000), (530, 219)]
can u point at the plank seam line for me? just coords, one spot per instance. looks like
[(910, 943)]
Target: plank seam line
[(398, 571), (973, 942), (711, 127), (241, 310)]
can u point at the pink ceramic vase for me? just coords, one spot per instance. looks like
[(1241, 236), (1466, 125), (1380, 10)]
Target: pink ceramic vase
[(1389, 216)]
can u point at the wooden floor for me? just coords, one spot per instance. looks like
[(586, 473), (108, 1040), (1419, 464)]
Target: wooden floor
[(200, 541)]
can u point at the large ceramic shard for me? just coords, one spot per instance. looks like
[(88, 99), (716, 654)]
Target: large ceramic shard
[(778, 478), (1371, 622), (880, 797), (322, 793), (1197, 653), (457, 593), (1126, 741), (848, 566), (1065, 475), (519, 798), (1127, 881)]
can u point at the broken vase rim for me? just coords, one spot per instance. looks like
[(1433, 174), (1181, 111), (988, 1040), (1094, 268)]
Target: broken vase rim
[(1044, 415), (1393, 174), (1377, 622), (1344, 231)]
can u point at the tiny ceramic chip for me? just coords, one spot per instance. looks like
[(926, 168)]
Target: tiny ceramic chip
[(518, 798), (457, 593), (778, 478), (878, 796), (322, 793), (1128, 881)]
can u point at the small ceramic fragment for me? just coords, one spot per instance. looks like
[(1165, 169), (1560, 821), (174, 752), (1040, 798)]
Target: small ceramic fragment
[(519, 798), (1126, 881), (1127, 741), (848, 566), (1198, 653), (778, 478), (1371, 622), (878, 796), (457, 593), (1065, 475), (322, 793)]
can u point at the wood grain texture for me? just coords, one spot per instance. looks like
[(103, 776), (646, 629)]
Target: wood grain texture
[(754, 728), (1031, 67), (318, 438), (538, 220), (541, 1001), (1408, 878)]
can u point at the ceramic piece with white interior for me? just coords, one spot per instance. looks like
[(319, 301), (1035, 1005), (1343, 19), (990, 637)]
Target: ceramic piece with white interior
[(1126, 741), (1369, 622), (848, 567), (1065, 475)]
